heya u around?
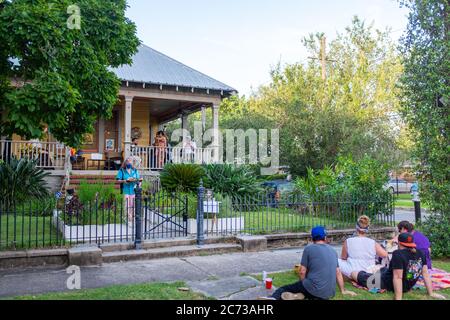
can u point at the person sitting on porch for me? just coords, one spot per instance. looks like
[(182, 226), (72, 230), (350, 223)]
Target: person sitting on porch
[(360, 252), (189, 148), (129, 177)]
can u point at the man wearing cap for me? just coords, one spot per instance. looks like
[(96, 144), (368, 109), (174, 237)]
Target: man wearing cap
[(406, 266), (319, 273)]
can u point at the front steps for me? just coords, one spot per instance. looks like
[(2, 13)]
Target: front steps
[(179, 251), (159, 249), (77, 179)]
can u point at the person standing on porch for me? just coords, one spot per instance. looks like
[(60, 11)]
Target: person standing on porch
[(129, 177), (161, 145)]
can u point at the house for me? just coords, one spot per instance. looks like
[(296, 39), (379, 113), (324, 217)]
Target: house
[(155, 89)]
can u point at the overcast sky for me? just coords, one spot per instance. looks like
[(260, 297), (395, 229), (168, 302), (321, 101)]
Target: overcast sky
[(238, 41)]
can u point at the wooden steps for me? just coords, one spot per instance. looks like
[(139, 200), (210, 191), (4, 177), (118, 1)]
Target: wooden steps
[(77, 180)]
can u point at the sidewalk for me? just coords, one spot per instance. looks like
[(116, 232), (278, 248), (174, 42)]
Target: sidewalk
[(205, 274)]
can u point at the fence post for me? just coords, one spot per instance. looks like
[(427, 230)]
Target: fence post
[(200, 215), (138, 217), (417, 209)]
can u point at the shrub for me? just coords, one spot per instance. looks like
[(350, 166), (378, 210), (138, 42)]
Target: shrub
[(105, 194), (437, 229), (230, 180), (181, 177), (21, 180), (363, 180)]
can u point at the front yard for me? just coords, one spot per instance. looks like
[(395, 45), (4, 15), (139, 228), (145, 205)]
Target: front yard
[(152, 291), (171, 291), (285, 278)]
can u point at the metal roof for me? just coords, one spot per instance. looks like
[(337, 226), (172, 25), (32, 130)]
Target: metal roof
[(153, 67)]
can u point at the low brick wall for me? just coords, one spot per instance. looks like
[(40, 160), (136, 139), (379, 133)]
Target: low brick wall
[(34, 258), (92, 255), (334, 236)]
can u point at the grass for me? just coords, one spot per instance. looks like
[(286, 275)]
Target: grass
[(405, 201), (153, 291), (285, 278), (27, 232), (288, 220)]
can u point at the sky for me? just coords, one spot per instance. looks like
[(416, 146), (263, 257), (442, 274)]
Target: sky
[(238, 41)]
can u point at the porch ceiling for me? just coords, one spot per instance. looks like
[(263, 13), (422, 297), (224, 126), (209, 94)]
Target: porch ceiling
[(168, 110)]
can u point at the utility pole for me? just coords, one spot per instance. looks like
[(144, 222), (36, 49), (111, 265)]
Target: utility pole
[(323, 54), (323, 57)]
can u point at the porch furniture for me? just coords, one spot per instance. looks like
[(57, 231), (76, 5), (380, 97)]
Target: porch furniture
[(114, 160), (78, 163), (96, 164)]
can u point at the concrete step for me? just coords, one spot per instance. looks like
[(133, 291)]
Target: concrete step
[(179, 251), (164, 243)]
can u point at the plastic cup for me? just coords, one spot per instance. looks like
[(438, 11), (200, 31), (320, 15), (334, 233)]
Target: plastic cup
[(269, 283)]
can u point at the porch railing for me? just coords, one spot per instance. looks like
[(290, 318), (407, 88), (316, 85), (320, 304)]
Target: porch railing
[(155, 158), (48, 155)]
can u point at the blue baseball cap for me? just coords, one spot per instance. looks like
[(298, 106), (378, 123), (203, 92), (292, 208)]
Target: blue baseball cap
[(318, 233)]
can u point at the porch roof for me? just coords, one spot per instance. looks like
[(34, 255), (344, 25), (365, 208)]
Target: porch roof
[(152, 67)]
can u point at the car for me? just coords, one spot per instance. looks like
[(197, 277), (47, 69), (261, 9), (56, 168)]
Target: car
[(283, 186), (402, 186), (277, 190)]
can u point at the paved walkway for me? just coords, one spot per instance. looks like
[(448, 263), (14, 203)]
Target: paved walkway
[(408, 215), (207, 274)]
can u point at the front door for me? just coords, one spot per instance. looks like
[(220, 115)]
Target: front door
[(112, 133)]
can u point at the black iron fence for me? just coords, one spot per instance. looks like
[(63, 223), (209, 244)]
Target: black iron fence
[(162, 215), (264, 214)]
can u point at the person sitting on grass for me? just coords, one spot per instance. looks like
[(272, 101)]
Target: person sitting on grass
[(319, 273), (360, 252), (422, 242), (405, 269)]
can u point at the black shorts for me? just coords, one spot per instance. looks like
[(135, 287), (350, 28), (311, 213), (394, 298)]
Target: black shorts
[(363, 277)]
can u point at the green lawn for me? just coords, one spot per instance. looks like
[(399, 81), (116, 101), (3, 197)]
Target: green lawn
[(170, 291), (285, 278), (405, 201), (287, 220), (154, 291), (27, 232)]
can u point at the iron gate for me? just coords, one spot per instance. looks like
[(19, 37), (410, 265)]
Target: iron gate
[(165, 215)]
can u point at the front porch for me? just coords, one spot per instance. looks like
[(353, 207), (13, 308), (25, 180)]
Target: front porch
[(139, 115)]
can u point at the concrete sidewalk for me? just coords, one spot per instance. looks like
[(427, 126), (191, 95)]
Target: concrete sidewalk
[(194, 270)]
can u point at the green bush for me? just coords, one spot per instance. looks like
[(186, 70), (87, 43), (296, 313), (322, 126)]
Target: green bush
[(230, 180), (103, 193), (437, 229), (21, 180), (364, 180), (181, 177)]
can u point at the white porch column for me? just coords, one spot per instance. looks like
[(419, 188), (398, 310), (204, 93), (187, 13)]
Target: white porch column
[(203, 119), (128, 111), (184, 125), (216, 133)]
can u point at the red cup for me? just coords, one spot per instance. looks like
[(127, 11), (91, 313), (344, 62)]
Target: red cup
[(269, 283)]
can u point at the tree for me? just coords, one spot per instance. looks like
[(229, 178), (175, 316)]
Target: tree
[(56, 74), (352, 112), (426, 50)]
